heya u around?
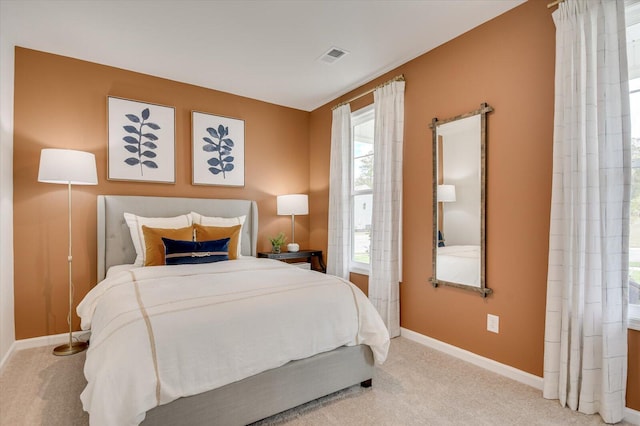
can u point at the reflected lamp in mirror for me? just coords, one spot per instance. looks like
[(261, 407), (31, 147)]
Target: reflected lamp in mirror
[(293, 204), (446, 193)]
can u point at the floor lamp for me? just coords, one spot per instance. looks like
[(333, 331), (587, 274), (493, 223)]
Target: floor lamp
[(293, 204), (69, 167)]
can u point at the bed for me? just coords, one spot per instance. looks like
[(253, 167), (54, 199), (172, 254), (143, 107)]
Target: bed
[(311, 367), (459, 264)]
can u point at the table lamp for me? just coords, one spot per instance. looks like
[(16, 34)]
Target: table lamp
[(293, 204), (446, 193)]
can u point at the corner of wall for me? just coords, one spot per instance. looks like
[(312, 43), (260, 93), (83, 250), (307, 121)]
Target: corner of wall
[(7, 320)]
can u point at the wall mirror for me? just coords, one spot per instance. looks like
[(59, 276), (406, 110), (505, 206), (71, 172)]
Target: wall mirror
[(459, 194)]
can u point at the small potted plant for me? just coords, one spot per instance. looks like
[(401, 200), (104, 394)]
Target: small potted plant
[(277, 241)]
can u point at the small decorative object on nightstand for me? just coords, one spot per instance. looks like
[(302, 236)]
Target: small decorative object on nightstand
[(309, 255), (277, 242)]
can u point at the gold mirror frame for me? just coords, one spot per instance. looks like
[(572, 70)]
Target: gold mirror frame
[(484, 109)]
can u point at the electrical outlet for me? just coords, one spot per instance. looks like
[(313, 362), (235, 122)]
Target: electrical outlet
[(493, 323)]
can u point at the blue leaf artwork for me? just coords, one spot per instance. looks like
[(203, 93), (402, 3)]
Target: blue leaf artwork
[(140, 141), (218, 149), (221, 145)]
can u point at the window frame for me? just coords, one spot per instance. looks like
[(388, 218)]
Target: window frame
[(633, 316), (632, 11), (358, 117), (633, 310)]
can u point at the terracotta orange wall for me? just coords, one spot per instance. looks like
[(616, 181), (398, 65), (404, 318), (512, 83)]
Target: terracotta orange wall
[(361, 281), (61, 103), (633, 373), (509, 63)]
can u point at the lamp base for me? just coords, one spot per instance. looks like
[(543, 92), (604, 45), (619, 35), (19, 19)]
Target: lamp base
[(293, 247), (65, 349)]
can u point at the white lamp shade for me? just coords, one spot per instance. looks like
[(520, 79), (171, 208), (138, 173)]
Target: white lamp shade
[(67, 166), (446, 193), (293, 204)]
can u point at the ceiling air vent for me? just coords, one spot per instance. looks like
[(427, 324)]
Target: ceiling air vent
[(332, 55)]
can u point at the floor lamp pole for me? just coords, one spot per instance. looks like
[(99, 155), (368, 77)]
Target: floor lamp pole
[(70, 348)]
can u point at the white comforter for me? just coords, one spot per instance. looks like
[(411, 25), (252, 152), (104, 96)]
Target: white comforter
[(163, 332), (459, 264)]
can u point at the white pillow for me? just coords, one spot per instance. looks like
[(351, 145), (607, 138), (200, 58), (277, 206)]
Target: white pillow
[(135, 227), (223, 222)]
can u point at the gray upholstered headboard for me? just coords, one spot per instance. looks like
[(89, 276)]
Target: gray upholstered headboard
[(114, 240)]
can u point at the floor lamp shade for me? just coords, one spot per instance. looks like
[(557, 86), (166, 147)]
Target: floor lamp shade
[(69, 167), (293, 204)]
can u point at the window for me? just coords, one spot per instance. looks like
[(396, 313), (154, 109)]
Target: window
[(633, 54), (362, 130)]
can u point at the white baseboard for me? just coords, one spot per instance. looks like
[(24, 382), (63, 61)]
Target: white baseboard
[(632, 416), (36, 342), (475, 359), (7, 355)]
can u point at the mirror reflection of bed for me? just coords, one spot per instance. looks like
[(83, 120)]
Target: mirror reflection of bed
[(459, 264), (459, 199), (459, 147)]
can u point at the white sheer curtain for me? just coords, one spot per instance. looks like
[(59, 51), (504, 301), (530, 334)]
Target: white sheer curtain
[(339, 244), (386, 221), (585, 353)]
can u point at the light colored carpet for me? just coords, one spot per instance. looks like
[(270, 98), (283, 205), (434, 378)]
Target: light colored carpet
[(415, 386)]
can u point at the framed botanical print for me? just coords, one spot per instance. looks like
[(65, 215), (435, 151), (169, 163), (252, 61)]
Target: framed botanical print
[(141, 141), (217, 150)]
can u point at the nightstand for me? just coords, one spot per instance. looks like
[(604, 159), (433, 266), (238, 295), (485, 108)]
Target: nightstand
[(309, 255)]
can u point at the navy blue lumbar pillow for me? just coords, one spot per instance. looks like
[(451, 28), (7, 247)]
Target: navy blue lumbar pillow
[(178, 252)]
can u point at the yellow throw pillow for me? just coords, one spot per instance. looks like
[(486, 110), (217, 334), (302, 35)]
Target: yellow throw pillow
[(208, 233), (153, 245)]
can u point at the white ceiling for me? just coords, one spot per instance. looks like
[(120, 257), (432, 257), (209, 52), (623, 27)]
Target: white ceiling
[(266, 50)]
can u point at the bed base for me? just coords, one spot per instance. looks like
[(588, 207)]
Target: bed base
[(270, 392)]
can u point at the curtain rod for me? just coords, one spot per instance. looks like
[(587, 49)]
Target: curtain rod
[(396, 78), (554, 3)]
